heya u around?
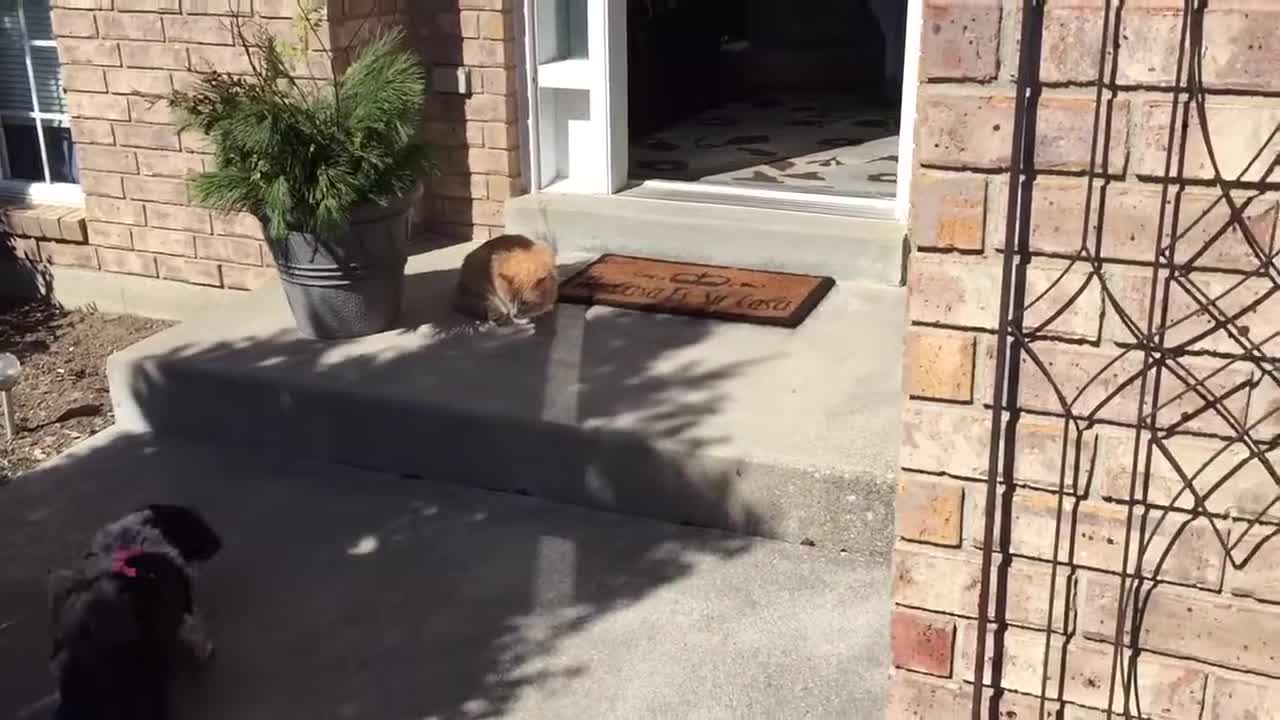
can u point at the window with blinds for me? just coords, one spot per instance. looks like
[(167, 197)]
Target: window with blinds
[(35, 144)]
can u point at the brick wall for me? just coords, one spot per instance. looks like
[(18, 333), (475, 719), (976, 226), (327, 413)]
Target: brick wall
[(472, 115), (118, 55), (473, 118), (28, 233), (1211, 632)]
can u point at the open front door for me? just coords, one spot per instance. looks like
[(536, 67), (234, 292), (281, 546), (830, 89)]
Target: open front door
[(577, 63)]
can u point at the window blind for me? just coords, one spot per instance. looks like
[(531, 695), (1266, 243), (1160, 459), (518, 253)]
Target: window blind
[(16, 47)]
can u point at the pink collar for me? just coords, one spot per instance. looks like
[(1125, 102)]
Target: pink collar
[(120, 561)]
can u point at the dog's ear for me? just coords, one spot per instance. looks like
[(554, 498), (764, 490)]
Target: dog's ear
[(87, 617), (91, 618), (186, 530)]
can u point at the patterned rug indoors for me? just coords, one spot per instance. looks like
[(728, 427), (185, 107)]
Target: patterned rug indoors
[(812, 142)]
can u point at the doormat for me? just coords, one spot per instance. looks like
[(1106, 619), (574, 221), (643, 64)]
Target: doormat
[(708, 291)]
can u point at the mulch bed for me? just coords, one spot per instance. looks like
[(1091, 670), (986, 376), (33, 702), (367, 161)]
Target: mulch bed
[(62, 397)]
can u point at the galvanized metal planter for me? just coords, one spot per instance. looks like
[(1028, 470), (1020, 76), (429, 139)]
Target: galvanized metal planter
[(352, 284)]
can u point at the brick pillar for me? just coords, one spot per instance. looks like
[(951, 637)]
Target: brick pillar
[(473, 116), (1210, 627), (119, 55)]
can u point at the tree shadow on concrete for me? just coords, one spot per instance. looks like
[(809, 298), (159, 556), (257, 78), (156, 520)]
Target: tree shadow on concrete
[(347, 594), (381, 592), (552, 412)]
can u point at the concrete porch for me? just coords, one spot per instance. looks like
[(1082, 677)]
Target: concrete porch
[(615, 515), (787, 434)]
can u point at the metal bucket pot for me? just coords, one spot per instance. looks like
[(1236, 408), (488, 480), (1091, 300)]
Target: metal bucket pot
[(350, 285)]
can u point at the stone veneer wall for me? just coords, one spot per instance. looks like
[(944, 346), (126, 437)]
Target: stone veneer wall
[(1211, 636), (117, 55)]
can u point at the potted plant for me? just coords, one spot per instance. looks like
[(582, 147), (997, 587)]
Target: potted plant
[(330, 169)]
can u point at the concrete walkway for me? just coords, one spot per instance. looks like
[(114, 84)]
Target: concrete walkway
[(346, 594)]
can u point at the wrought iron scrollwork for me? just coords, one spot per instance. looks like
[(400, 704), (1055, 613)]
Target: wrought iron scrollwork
[(1184, 350)]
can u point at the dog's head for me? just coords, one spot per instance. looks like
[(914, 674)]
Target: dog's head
[(115, 630), (186, 530)]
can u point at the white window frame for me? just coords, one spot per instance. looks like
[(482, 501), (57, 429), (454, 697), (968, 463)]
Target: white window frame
[(34, 190)]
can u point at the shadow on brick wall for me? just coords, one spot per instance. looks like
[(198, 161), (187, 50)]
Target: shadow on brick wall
[(443, 35), (437, 35)]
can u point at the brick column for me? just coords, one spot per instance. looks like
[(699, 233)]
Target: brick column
[(1210, 629), (473, 118), (471, 115)]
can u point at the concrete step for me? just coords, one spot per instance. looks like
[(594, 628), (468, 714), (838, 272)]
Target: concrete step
[(350, 594), (846, 248), (788, 434)]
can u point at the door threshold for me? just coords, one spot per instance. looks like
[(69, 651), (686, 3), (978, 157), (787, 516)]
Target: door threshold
[(763, 199)]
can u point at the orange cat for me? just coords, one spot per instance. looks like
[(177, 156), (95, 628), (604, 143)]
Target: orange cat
[(507, 279)]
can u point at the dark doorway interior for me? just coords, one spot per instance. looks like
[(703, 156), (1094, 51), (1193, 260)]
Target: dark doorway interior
[(789, 94)]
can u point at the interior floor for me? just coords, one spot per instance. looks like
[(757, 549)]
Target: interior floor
[(766, 93), (807, 141)]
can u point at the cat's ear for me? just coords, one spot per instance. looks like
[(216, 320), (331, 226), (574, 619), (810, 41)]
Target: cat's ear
[(504, 282)]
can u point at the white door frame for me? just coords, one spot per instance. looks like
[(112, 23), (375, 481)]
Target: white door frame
[(604, 76), (575, 98), (910, 97)]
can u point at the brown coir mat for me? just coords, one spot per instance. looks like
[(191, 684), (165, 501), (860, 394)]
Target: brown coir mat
[(710, 291)]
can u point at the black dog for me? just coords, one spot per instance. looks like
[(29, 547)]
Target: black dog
[(119, 622)]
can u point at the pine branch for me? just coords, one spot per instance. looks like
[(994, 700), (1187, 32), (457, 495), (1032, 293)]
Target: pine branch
[(305, 158)]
